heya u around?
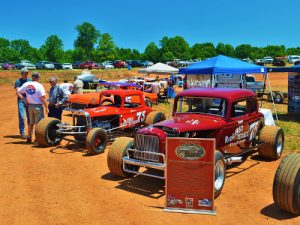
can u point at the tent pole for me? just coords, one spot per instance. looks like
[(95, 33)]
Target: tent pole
[(262, 97), (272, 97)]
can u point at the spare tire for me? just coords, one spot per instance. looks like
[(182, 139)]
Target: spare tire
[(273, 138), (286, 184), (46, 132), (154, 117)]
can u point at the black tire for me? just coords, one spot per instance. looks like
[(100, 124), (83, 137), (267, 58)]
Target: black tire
[(270, 96), (115, 157), (273, 137), (279, 97), (148, 102), (220, 171), (45, 132), (96, 141), (154, 117), (286, 184)]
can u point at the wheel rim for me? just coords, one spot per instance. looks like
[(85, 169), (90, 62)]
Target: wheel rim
[(97, 143), (219, 175), (52, 134), (278, 98), (279, 144)]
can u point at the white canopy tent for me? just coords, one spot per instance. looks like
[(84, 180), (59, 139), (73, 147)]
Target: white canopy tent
[(159, 68)]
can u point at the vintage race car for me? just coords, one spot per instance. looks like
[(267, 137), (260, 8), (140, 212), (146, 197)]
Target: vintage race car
[(118, 113), (230, 116), (90, 100)]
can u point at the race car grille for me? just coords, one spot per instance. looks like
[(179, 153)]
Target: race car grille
[(78, 106), (147, 143)]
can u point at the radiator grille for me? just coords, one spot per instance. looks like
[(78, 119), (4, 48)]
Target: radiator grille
[(147, 143)]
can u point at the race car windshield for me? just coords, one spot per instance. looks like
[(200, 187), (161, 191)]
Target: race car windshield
[(203, 105)]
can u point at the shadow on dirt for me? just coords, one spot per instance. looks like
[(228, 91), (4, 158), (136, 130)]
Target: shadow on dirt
[(295, 117), (141, 185), (12, 136), (67, 149), (274, 212), (238, 168)]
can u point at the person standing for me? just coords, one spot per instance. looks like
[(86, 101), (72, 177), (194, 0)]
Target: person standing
[(35, 99), (67, 88), (56, 99), (22, 107), (78, 86)]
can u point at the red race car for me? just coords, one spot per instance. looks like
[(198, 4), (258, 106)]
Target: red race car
[(230, 116), (119, 113)]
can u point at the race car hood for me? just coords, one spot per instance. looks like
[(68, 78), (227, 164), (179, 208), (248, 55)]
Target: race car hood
[(89, 98), (103, 111), (187, 122)]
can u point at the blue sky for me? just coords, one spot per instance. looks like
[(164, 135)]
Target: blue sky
[(136, 23)]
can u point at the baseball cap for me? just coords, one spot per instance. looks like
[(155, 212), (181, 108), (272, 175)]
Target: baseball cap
[(52, 79), (35, 75), (24, 70)]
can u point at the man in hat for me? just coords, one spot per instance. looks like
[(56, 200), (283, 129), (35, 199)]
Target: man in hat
[(56, 99), (22, 107), (35, 99)]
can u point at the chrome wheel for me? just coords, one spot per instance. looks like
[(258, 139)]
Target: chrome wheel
[(279, 144), (219, 175)]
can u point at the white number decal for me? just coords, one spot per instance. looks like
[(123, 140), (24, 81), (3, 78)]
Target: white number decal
[(141, 116)]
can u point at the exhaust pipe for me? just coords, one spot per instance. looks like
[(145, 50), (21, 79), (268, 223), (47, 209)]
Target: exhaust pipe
[(233, 159)]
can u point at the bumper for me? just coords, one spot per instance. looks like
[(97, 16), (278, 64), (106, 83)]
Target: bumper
[(142, 161)]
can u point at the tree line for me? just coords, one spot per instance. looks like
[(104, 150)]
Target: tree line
[(91, 44)]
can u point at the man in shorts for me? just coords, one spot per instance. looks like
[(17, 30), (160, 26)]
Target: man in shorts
[(22, 107), (35, 99)]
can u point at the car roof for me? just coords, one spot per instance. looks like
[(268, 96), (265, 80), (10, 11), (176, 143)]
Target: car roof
[(226, 93), (122, 92)]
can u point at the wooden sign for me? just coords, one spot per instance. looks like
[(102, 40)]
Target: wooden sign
[(190, 175)]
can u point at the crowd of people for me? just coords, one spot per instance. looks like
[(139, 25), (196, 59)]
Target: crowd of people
[(32, 100)]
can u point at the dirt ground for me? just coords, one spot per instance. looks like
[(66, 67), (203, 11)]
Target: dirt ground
[(64, 185)]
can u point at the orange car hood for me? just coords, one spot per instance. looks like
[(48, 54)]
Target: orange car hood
[(89, 98)]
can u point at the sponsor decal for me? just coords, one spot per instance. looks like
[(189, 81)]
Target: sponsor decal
[(189, 202), (254, 127), (193, 122), (171, 201), (190, 151), (31, 90), (140, 117), (204, 202)]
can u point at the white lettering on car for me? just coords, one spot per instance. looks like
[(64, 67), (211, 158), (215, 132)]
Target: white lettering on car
[(193, 122)]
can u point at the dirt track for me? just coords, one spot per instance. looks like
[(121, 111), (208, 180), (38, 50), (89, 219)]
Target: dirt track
[(66, 186)]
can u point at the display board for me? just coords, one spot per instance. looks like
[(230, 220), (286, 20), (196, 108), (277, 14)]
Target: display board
[(190, 175), (294, 93)]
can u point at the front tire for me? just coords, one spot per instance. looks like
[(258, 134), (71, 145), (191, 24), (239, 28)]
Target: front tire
[(273, 137), (286, 184), (154, 117), (220, 171), (116, 154), (96, 141), (46, 132)]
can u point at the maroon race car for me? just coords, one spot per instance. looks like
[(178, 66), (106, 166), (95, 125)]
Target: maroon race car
[(230, 116)]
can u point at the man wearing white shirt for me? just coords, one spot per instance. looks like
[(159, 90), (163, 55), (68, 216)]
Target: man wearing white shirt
[(66, 87), (35, 99)]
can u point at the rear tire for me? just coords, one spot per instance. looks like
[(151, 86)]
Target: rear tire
[(274, 142), (154, 117), (220, 171), (115, 157), (286, 185), (96, 141), (45, 132), (270, 97), (279, 97)]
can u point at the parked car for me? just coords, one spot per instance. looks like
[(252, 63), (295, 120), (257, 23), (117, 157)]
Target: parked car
[(45, 65), (119, 64), (138, 63), (293, 58), (230, 116), (268, 60), (148, 63), (76, 65), (8, 66), (89, 65), (57, 66), (260, 62), (67, 66), (108, 65), (119, 111), (26, 64), (279, 61)]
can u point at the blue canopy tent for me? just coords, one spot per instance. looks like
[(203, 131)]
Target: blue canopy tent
[(223, 65)]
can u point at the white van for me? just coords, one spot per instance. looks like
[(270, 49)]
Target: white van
[(293, 58)]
